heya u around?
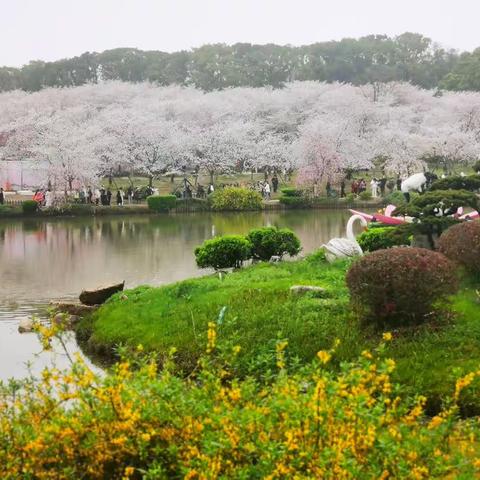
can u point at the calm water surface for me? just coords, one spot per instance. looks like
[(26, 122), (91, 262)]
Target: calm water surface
[(55, 259)]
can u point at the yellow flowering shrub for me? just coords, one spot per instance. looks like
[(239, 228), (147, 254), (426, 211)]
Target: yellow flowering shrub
[(137, 422)]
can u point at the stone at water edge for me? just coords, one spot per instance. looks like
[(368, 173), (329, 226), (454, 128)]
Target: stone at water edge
[(100, 295), (25, 325), (74, 309), (303, 289), (66, 320), (73, 320)]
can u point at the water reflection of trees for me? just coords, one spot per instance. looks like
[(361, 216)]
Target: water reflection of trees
[(58, 257)]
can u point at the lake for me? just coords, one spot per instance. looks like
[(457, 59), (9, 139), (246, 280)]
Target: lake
[(43, 260)]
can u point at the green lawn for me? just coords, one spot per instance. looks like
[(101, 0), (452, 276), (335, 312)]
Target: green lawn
[(260, 309)]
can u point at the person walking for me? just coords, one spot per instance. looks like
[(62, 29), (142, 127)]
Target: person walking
[(342, 189), (354, 187), (49, 199), (109, 196), (275, 183), (382, 185), (2, 196), (89, 195), (119, 198), (374, 187), (267, 191)]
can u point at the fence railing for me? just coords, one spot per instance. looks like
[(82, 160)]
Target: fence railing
[(12, 202)]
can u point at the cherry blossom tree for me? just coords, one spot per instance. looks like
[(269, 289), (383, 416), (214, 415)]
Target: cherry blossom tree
[(81, 134)]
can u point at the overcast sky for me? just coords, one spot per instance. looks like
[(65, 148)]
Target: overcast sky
[(54, 29)]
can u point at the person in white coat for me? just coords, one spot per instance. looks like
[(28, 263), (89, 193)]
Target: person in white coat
[(48, 199), (374, 187), (267, 191)]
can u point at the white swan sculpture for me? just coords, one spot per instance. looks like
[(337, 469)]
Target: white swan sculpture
[(345, 247)]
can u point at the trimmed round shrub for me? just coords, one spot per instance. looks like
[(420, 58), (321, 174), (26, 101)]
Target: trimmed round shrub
[(395, 198), (295, 201), (461, 243), (159, 203), (269, 241), (291, 192), (29, 206), (229, 251), (400, 286), (383, 237), (234, 198), (365, 196)]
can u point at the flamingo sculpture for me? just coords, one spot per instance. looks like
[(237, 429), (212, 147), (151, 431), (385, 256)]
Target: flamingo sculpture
[(345, 247)]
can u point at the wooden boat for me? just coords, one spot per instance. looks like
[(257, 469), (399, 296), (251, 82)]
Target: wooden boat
[(101, 294)]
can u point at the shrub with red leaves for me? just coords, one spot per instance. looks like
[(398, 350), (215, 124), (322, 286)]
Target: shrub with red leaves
[(461, 243), (400, 286)]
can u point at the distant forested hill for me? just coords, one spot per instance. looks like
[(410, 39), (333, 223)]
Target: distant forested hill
[(408, 57)]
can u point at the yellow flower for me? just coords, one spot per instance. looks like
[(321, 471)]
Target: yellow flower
[(129, 471), (387, 336), (324, 356), (463, 383), (281, 346), (211, 337), (390, 363), (435, 422), (145, 437)]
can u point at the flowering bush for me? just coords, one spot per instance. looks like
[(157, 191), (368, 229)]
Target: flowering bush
[(233, 198), (400, 285), (138, 423), (461, 243), (229, 251), (269, 241)]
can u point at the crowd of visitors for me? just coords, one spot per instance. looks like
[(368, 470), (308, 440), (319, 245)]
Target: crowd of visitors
[(105, 196)]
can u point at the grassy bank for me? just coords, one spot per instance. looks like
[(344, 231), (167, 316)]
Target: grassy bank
[(259, 309)]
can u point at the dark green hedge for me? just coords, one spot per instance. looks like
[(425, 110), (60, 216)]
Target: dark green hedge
[(159, 203), (29, 206), (295, 202), (291, 192), (384, 237), (470, 183)]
